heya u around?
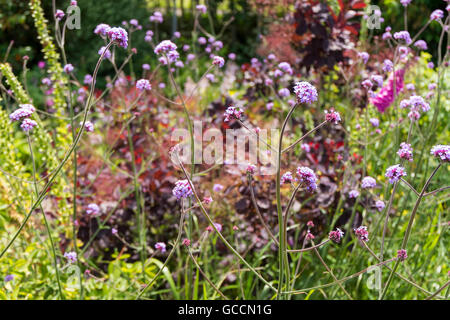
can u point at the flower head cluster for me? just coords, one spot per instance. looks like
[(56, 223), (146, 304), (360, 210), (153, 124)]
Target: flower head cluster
[(148, 36), (68, 68), (367, 84), (405, 3), (402, 255), (102, 29), (286, 67), (368, 183), (379, 205), (336, 236), (332, 116), (92, 209), (378, 80), (385, 97), (25, 111), (403, 35), (251, 169), (309, 235), (442, 152), (437, 15), (364, 56), (165, 46), (71, 256), (119, 36), (88, 126), (405, 151), (232, 112), (218, 61), (217, 187), (284, 92), (182, 189), (186, 242), (374, 122), (420, 44), (156, 17), (362, 233), (308, 177), (28, 124), (353, 194), (305, 92), (286, 178), (394, 173), (160, 246), (107, 54), (143, 84), (8, 278), (388, 66), (387, 34), (201, 8), (59, 14)]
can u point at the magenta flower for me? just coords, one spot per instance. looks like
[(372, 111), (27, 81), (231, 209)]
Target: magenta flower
[(88, 126), (119, 36), (182, 189), (286, 178), (332, 116), (218, 61), (28, 124), (59, 14), (286, 67), (385, 96), (362, 233), (207, 200), (231, 113), (442, 152), (160, 246), (310, 224), (186, 242), (379, 205), (305, 92), (402, 255), (388, 66), (437, 15), (374, 122), (378, 80), (405, 151), (305, 147), (143, 84), (217, 187), (157, 17), (92, 209), (201, 8), (364, 56), (368, 183), (394, 173), (25, 111), (114, 231), (336, 236), (251, 169), (284, 92), (146, 66), (309, 235), (367, 84), (403, 35), (232, 56), (308, 177), (102, 29), (353, 194), (71, 256), (202, 41), (68, 68), (405, 3)]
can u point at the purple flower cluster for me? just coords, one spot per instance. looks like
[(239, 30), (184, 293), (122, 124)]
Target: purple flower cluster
[(102, 29), (182, 189), (68, 68), (403, 35), (405, 151), (165, 46), (231, 113), (332, 116), (160, 246), (308, 177), (379, 205), (394, 173), (251, 169), (71, 256), (28, 124), (218, 61), (362, 233), (353, 194), (364, 56), (143, 84), (402, 255), (286, 178), (420, 44), (305, 92), (284, 92), (92, 209), (156, 17), (88, 126), (336, 236), (25, 111), (59, 14), (368, 183), (201, 8), (107, 54), (119, 36), (442, 152), (437, 15)]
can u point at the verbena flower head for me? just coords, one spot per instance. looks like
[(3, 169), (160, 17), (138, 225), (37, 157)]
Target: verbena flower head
[(403, 35), (8, 278), (87, 79), (102, 29), (202, 40), (394, 173), (353, 194), (417, 102), (374, 122), (114, 231), (186, 242), (309, 235), (286, 67), (305, 147), (405, 151), (143, 84), (310, 224), (25, 111), (251, 169), (362, 233), (92, 209), (118, 35), (332, 116), (218, 226), (305, 92), (336, 236), (442, 152), (207, 200), (28, 124), (157, 17), (182, 190), (71, 256), (388, 66), (232, 56), (68, 68), (437, 15), (165, 46), (107, 54), (160, 246), (379, 205), (402, 255), (308, 177), (173, 55), (59, 14), (201, 8), (378, 80), (368, 183), (218, 61), (421, 44), (217, 187), (88, 126), (405, 3), (364, 56), (367, 84), (232, 112), (286, 178), (284, 92)]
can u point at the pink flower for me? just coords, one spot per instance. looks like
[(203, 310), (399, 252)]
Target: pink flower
[(336, 236), (310, 224), (402, 255), (218, 61), (394, 173), (286, 178), (160, 246), (332, 116), (362, 233), (186, 242), (309, 236)]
